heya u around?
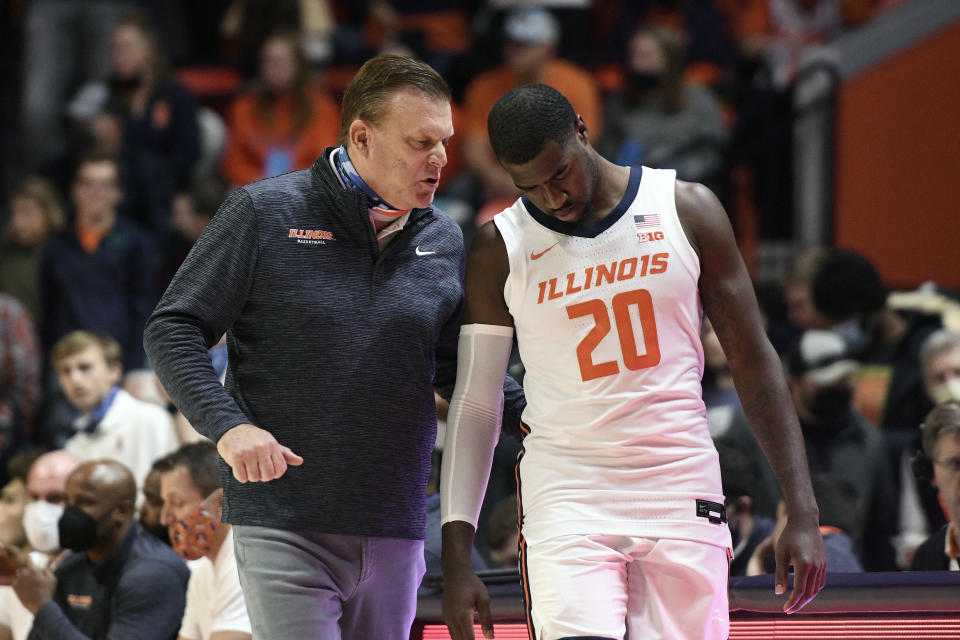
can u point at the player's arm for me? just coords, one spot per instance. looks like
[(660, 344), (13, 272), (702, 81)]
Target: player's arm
[(473, 426), (730, 302)]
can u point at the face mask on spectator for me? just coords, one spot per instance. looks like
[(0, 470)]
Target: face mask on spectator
[(192, 535), (78, 529), (40, 522), (829, 404), (949, 390)]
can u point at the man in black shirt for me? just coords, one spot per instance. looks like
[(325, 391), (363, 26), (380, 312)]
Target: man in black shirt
[(119, 583)]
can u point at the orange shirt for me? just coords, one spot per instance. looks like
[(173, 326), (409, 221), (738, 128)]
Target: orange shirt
[(251, 140), (567, 78)]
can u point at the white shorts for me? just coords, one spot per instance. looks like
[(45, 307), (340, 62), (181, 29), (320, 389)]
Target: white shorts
[(612, 586)]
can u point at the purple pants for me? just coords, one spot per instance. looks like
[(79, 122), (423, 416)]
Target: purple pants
[(300, 584)]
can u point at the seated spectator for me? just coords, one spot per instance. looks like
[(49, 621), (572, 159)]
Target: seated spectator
[(660, 121), (35, 211), (841, 441), (20, 372), (284, 122), (531, 36), (113, 424), (46, 495), (798, 290), (98, 274), (740, 481), (719, 395), (835, 498), (941, 446), (888, 384), (13, 499), (920, 508), (503, 534), (192, 499), (151, 507), (192, 212), (145, 118), (120, 582)]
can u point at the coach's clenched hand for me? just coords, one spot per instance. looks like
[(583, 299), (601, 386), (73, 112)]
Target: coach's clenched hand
[(254, 454)]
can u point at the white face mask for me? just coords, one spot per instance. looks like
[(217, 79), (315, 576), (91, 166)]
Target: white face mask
[(949, 390), (40, 522)]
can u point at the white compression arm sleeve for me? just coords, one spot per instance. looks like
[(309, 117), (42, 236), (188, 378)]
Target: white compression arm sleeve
[(473, 423)]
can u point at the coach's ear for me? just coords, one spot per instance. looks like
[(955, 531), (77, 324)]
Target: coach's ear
[(358, 137)]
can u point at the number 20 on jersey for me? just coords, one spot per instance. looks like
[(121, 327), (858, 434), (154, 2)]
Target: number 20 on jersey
[(620, 308)]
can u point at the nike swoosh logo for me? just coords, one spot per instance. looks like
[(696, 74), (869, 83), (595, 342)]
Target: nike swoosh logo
[(534, 256), (424, 253)]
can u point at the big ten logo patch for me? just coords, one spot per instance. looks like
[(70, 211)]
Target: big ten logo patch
[(649, 236)]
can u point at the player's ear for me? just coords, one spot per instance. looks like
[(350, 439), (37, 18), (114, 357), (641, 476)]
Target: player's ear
[(582, 131)]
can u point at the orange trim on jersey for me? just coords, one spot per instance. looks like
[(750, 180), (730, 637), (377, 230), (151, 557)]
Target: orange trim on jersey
[(522, 547)]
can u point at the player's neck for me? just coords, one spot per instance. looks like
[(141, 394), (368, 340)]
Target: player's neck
[(612, 182)]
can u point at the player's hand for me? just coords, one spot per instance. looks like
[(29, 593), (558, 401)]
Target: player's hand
[(254, 454), (464, 593), (34, 586), (800, 545)]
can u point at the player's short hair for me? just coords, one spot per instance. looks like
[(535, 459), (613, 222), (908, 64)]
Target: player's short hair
[(367, 94), (945, 418), (526, 118), (79, 340), (200, 459)]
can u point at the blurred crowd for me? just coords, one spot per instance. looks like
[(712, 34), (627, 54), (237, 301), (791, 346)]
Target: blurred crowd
[(137, 117)]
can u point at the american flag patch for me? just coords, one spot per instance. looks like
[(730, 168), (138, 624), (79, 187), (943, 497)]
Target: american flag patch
[(646, 221)]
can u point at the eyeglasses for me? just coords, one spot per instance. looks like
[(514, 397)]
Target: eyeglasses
[(952, 464), (102, 185)]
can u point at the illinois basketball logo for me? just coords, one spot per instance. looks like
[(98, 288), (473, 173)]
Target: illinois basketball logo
[(311, 236)]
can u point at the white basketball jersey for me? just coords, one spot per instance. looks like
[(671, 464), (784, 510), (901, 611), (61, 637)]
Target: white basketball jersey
[(608, 326)]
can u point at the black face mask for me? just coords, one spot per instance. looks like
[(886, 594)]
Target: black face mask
[(78, 529), (644, 80), (127, 84), (830, 404)]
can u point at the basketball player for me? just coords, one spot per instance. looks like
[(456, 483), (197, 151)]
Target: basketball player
[(604, 271)]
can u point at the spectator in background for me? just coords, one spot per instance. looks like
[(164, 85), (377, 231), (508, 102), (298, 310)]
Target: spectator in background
[(192, 499), (921, 511), (836, 498), (719, 395), (128, 583), (65, 45), (98, 274), (798, 290), (841, 441), (147, 119), (192, 212), (888, 390), (35, 211), (941, 444), (113, 424), (531, 36), (658, 119), (940, 362), (282, 124), (20, 368), (46, 487), (149, 512), (13, 498), (502, 533), (740, 481)]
